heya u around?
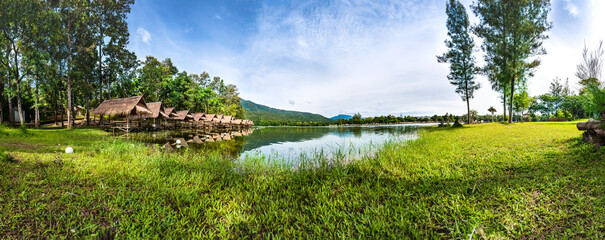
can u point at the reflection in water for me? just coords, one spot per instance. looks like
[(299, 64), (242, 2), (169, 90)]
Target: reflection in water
[(285, 143)]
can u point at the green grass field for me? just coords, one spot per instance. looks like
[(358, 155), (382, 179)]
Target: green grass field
[(494, 181)]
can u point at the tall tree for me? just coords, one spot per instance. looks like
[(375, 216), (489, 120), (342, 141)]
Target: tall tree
[(111, 33), (460, 53), (590, 69), (512, 32), (16, 23), (492, 110)]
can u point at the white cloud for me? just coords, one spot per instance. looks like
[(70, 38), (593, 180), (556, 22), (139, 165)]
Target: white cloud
[(144, 34), (571, 8), (218, 17)]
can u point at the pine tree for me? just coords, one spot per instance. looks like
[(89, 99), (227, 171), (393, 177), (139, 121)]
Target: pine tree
[(460, 53)]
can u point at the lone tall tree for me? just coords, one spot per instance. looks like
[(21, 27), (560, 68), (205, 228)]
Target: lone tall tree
[(460, 53), (492, 110), (512, 32)]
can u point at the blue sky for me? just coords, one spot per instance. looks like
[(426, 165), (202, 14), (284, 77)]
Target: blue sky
[(332, 57)]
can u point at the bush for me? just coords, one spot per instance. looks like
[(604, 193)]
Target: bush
[(23, 130), (457, 124), (5, 157)]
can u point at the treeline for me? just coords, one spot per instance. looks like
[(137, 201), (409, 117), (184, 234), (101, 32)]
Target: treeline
[(57, 55), (290, 123), (389, 119)]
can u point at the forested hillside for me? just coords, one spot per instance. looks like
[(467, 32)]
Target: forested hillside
[(263, 115)]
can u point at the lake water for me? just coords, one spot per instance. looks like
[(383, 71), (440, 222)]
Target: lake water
[(285, 144)]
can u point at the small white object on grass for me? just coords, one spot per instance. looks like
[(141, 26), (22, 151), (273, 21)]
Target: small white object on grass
[(153, 125), (178, 141), (178, 146), (69, 150)]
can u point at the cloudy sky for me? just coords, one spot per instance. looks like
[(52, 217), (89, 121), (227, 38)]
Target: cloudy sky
[(343, 56)]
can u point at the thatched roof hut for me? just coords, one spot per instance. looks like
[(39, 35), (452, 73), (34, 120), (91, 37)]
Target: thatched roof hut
[(218, 118), (209, 117), (183, 116), (123, 107), (171, 112), (198, 116), (157, 110)]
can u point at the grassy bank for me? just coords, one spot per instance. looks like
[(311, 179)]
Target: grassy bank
[(529, 180)]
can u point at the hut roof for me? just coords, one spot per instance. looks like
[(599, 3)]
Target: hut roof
[(183, 115), (123, 106), (157, 110), (228, 118), (198, 116), (209, 117), (170, 112)]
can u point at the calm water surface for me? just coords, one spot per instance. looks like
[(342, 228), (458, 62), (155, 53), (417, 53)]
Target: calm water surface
[(284, 143)]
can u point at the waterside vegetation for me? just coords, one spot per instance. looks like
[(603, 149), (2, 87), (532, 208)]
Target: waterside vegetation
[(524, 180)]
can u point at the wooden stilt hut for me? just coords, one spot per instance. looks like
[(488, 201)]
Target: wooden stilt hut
[(209, 119), (184, 117), (226, 121), (198, 119), (171, 112), (157, 113), (217, 120), (129, 108)]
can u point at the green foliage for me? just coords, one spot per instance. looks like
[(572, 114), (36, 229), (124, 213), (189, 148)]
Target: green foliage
[(457, 124), (594, 101), (512, 33), (5, 157), (460, 53), (23, 130)]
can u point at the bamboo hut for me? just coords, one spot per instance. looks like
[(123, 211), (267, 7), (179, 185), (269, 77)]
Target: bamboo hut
[(198, 118), (209, 119), (129, 108), (183, 117), (171, 112), (157, 111), (225, 121)]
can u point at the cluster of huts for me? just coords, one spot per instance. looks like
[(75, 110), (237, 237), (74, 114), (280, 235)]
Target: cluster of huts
[(132, 113)]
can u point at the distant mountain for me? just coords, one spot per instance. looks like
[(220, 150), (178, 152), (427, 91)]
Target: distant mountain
[(263, 115), (342, 116)]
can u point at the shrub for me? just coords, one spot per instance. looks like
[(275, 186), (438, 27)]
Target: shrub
[(5, 157), (457, 124), (23, 130)]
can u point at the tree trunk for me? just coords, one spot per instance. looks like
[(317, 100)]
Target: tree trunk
[(1, 98), (101, 33), (87, 109), (512, 95), (62, 117), (69, 123), (19, 109), (18, 83), (468, 111), (55, 113), (37, 117), (504, 103), (11, 111)]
